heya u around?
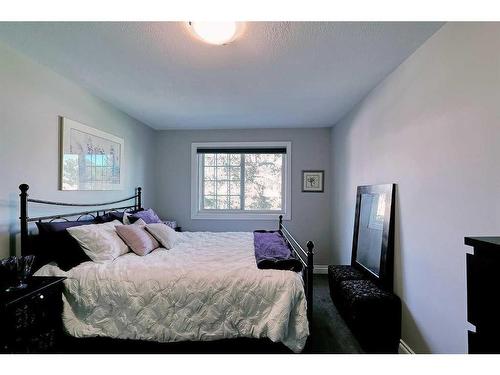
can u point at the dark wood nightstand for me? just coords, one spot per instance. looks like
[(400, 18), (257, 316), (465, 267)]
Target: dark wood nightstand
[(178, 229), (31, 318)]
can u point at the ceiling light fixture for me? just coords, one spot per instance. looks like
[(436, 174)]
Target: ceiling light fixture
[(218, 33)]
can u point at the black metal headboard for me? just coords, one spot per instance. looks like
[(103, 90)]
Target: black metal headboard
[(25, 219)]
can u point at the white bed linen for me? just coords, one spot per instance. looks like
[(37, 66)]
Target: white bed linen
[(207, 287)]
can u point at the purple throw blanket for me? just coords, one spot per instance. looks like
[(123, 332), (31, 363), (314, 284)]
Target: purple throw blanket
[(272, 252)]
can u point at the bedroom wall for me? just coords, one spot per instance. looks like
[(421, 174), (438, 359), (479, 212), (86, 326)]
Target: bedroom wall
[(31, 99), (310, 211), (432, 127)]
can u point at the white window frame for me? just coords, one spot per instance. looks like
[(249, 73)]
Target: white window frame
[(197, 213)]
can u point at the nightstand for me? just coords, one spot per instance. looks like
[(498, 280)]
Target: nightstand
[(178, 229), (31, 318)]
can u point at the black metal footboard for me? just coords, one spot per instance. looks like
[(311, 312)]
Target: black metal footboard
[(307, 259)]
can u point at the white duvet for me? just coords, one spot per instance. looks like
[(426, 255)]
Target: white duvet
[(207, 287)]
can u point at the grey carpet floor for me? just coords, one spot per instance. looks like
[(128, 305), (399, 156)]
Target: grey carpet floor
[(330, 334)]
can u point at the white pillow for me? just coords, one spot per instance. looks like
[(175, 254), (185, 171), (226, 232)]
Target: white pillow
[(126, 221), (165, 235), (99, 241)]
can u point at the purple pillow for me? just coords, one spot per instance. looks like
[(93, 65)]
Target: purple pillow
[(59, 226), (114, 215), (58, 244), (137, 238), (109, 217), (170, 223), (149, 217)]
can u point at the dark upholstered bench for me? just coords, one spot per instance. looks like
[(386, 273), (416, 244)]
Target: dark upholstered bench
[(337, 274), (372, 314)]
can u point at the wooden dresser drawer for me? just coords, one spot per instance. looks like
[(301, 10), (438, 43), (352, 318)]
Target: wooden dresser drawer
[(483, 342), (482, 306)]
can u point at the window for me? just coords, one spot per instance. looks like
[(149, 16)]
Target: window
[(246, 180)]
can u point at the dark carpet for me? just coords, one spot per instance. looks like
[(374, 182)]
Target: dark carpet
[(329, 335)]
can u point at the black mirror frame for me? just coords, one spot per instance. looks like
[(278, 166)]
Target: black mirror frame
[(385, 276)]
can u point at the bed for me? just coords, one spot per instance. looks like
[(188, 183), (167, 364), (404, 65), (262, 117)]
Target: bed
[(206, 288)]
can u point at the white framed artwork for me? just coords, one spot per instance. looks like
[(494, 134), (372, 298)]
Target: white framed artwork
[(90, 159)]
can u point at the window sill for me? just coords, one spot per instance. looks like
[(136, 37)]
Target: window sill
[(241, 216)]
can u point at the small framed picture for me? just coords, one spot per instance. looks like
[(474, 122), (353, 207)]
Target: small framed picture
[(313, 181)]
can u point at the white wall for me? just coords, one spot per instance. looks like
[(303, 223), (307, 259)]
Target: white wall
[(31, 99), (310, 211), (432, 127)]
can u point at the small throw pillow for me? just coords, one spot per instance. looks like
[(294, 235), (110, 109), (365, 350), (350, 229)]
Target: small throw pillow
[(137, 238), (126, 214), (171, 223), (163, 233), (149, 216), (126, 220), (99, 241)]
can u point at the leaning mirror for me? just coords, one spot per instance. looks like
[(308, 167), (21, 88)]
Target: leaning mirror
[(373, 231)]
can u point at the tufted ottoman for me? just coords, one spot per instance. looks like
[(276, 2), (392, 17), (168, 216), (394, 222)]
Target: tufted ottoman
[(337, 274), (373, 315)]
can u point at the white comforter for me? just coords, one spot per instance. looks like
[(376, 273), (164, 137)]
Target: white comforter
[(207, 287)]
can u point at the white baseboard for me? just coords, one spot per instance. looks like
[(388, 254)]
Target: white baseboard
[(321, 269), (404, 348)]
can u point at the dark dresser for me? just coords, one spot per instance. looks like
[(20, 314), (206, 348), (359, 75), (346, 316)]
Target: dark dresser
[(483, 294), (31, 318)]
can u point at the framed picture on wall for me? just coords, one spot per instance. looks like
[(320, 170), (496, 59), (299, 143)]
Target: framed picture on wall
[(313, 181), (90, 159)]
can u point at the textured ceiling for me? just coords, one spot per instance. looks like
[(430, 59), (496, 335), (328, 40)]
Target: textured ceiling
[(277, 74)]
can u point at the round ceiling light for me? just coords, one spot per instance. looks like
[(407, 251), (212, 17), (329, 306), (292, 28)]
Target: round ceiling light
[(218, 33)]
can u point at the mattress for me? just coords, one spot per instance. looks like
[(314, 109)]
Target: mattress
[(207, 287)]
